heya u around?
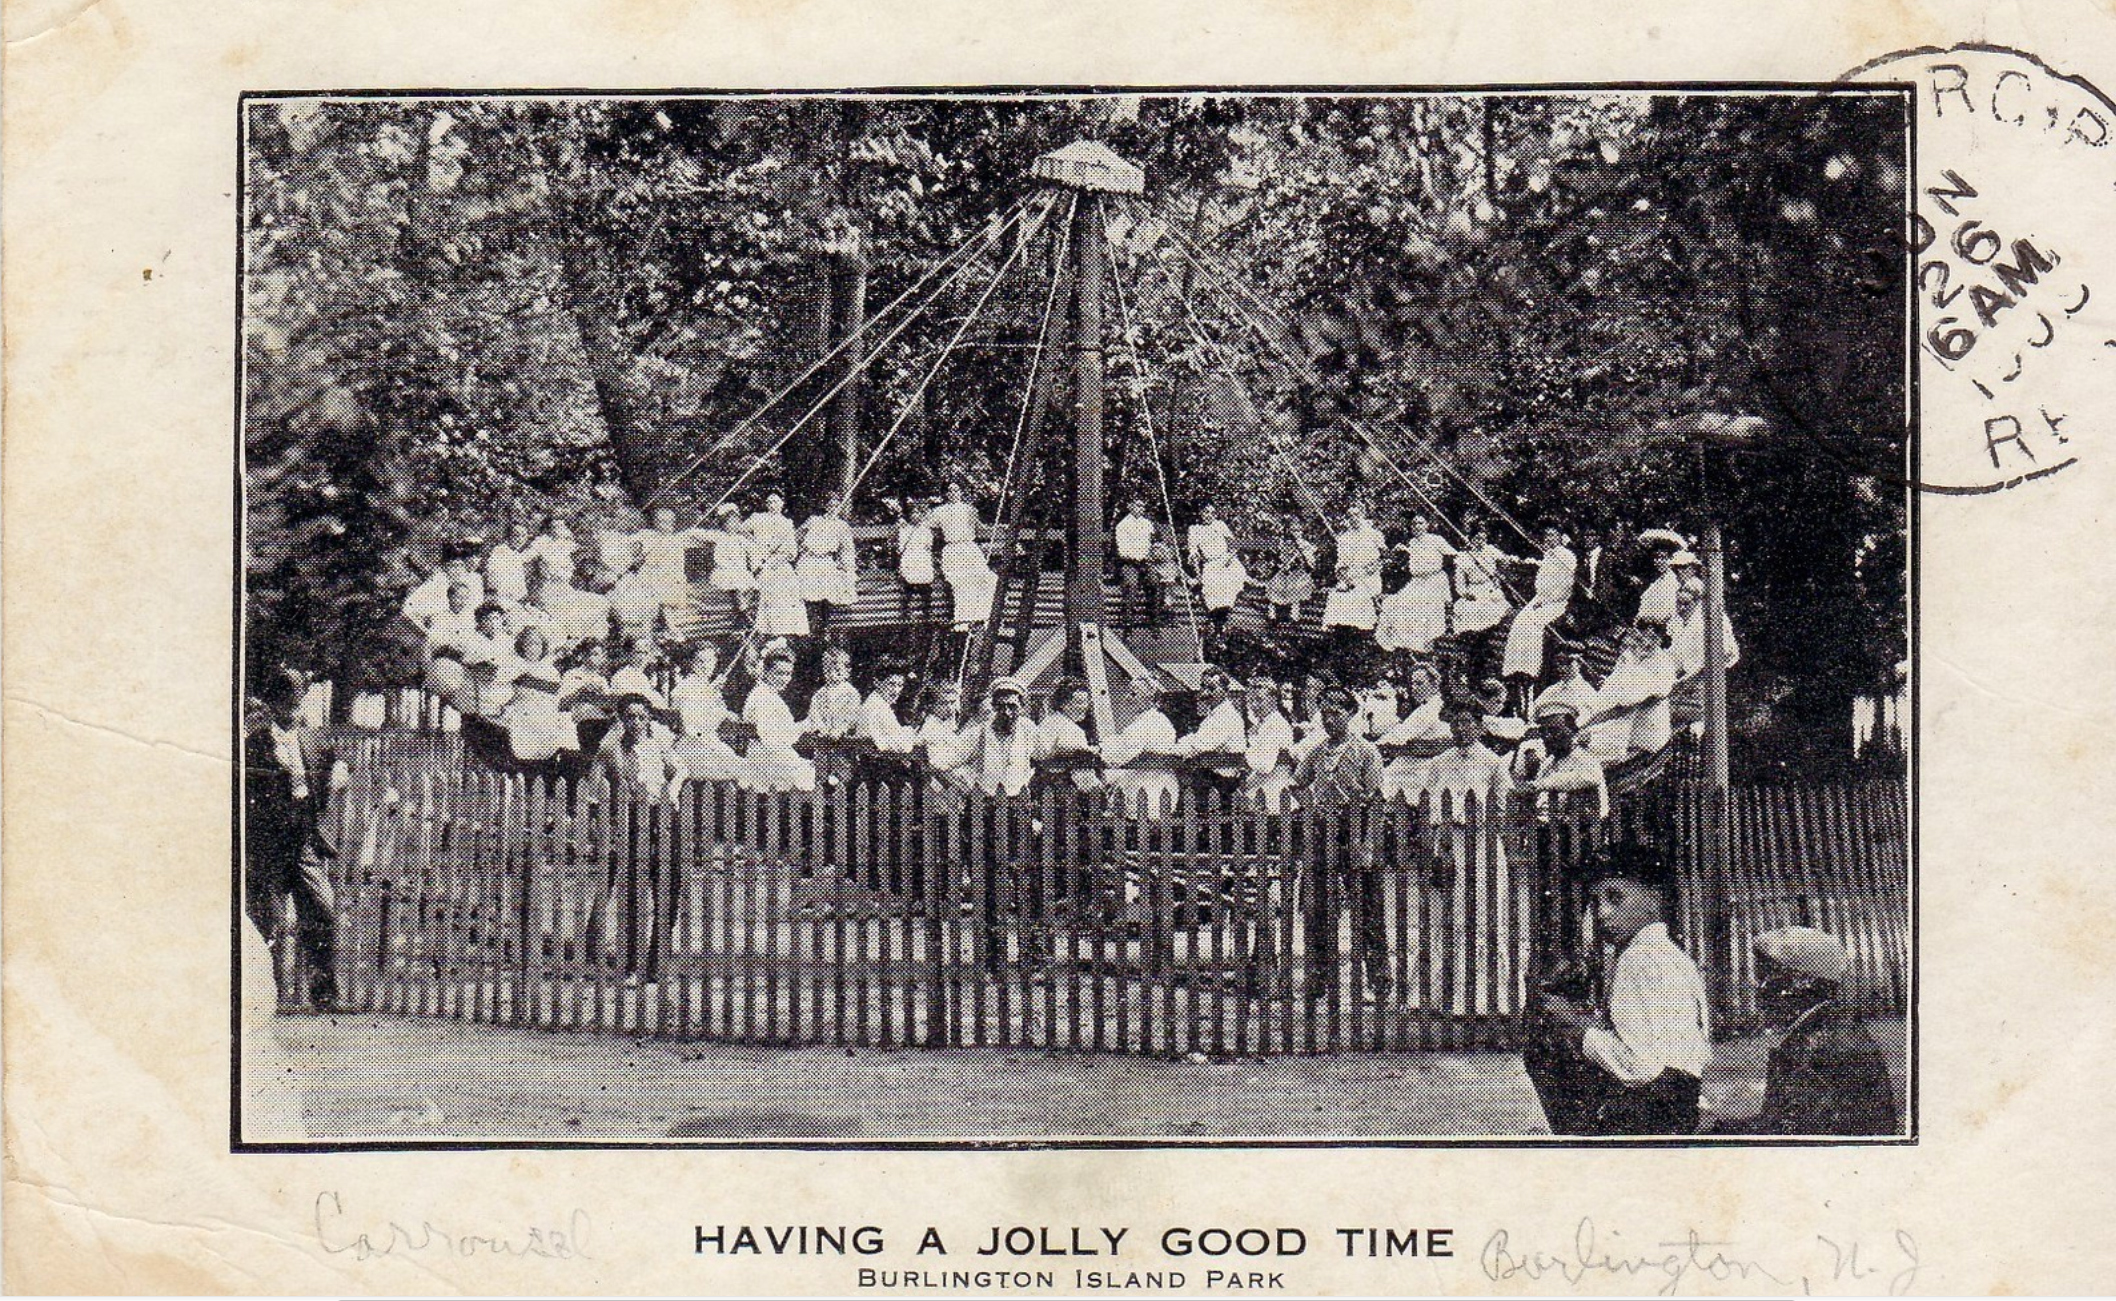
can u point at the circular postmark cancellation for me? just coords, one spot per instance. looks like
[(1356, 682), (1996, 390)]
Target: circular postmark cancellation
[(2014, 276)]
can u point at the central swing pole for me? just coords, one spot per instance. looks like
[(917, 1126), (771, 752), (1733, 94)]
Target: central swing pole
[(1083, 578)]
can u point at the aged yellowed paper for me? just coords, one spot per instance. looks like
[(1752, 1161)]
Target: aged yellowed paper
[(1165, 649)]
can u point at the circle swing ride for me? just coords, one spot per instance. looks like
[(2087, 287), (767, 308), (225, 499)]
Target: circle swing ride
[(1094, 255)]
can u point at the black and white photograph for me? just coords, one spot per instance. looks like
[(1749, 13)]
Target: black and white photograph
[(1079, 616)]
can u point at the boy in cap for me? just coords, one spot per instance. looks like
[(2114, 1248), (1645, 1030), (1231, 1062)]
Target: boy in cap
[(1826, 1076), (1634, 1064), (1554, 766), (1341, 779)]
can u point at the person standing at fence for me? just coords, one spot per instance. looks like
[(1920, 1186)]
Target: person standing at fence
[(290, 773), (700, 709), (1138, 589), (1063, 750), (878, 722), (1554, 767), (1216, 748), (1826, 1075), (1268, 751), (1340, 780), (1634, 1064), (996, 756), (584, 692), (1150, 733), (638, 767), (771, 763), (1468, 770), (1417, 734)]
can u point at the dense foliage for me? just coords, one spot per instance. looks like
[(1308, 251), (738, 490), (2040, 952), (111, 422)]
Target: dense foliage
[(462, 309)]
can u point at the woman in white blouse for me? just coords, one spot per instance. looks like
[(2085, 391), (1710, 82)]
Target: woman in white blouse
[(1221, 575), (700, 709), (1357, 591), (536, 727), (1480, 600), (771, 763), (962, 561), (1553, 593), (828, 565), (1269, 748), (1427, 594), (1632, 714), (772, 534), (781, 609), (664, 555), (914, 560)]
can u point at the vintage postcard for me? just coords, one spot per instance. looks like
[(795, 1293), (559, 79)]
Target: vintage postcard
[(1157, 652)]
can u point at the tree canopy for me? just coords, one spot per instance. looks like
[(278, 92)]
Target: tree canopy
[(461, 309)]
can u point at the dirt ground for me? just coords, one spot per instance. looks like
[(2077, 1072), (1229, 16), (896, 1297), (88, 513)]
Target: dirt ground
[(379, 1077)]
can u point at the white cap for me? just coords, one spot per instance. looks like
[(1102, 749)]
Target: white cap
[(1805, 951)]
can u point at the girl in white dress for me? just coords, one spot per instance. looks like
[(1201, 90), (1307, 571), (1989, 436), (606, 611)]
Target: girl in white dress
[(771, 534), (733, 569), (771, 763), (971, 581), (1633, 700), (1480, 601), (1352, 601), (834, 709), (781, 611), (1553, 593), (828, 564), (536, 728), (1427, 593), (700, 709), (1221, 575), (1293, 582), (633, 598), (664, 550), (555, 548), (914, 561)]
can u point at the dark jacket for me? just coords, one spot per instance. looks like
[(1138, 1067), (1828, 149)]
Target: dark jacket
[(275, 822), (1826, 1077)]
